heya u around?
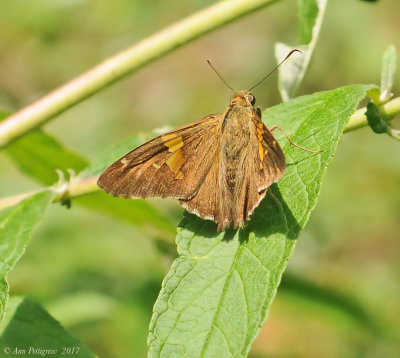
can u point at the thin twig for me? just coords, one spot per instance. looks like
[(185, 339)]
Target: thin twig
[(77, 187)]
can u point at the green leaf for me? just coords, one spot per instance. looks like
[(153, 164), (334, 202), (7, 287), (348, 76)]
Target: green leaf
[(294, 69), (311, 13), (28, 330), (387, 75), (38, 155), (307, 14), (16, 227), (137, 212), (216, 296), (374, 118)]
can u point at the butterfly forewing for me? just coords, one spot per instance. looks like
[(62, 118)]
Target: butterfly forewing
[(171, 165)]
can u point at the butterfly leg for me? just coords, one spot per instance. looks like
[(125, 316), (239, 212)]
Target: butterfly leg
[(291, 141)]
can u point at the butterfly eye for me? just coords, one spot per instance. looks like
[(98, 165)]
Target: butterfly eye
[(251, 99)]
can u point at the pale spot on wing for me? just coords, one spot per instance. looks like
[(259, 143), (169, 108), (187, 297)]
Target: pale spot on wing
[(124, 161), (167, 137), (175, 160), (155, 165)]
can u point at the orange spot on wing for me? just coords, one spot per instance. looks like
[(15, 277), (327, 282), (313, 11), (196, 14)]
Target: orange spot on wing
[(174, 144), (261, 153), (175, 160), (259, 134), (260, 147)]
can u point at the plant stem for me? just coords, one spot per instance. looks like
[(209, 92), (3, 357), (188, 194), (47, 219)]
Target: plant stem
[(359, 119), (73, 189), (124, 63)]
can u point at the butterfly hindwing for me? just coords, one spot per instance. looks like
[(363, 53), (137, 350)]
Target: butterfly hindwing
[(268, 157), (263, 164), (216, 200), (171, 165)]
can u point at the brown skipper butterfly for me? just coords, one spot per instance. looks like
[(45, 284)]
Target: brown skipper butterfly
[(219, 167)]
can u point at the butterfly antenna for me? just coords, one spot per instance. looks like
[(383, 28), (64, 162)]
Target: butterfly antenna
[(220, 75), (280, 63)]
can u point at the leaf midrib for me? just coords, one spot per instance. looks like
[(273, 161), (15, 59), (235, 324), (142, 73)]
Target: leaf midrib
[(228, 278)]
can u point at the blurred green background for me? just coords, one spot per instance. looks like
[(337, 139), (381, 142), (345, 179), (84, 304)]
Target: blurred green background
[(100, 276)]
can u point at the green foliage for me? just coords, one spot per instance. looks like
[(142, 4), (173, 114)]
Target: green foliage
[(308, 11), (140, 213), (16, 227), (310, 14), (218, 291), (387, 75), (28, 328), (39, 155), (375, 120)]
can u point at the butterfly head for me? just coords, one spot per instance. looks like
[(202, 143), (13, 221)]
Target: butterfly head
[(243, 98)]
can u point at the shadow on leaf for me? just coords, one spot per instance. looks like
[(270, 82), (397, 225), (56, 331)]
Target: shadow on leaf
[(270, 217)]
